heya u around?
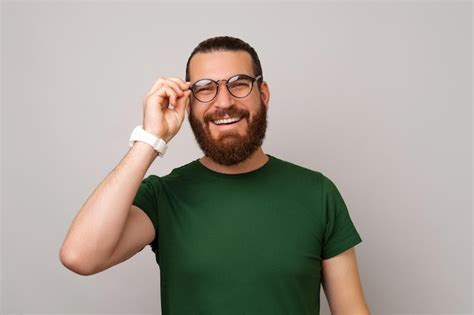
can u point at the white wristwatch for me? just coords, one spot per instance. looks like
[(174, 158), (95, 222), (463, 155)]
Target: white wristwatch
[(140, 134)]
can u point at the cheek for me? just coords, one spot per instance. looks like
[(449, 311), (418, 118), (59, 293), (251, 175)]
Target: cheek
[(199, 118), (193, 113)]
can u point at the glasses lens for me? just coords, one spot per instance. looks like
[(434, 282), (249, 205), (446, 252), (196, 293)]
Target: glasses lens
[(240, 86), (204, 90)]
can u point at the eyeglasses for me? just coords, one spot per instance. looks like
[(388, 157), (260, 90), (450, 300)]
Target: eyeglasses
[(239, 86)]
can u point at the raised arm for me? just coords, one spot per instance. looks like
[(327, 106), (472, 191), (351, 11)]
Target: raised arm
[(97, 228), (108, 229)]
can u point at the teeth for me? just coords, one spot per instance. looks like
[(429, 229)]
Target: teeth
[(226, 121)]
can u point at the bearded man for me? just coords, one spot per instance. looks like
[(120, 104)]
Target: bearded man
[(237, 231)]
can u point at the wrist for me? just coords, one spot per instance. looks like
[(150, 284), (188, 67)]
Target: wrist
[(156, 134), (145, 148), (141, 135)]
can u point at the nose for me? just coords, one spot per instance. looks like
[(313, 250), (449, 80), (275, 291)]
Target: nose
[(223, 98)]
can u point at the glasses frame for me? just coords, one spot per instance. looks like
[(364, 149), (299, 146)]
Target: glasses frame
[(252, 80)]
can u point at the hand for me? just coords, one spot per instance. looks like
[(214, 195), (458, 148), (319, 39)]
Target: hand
[(159, 118)]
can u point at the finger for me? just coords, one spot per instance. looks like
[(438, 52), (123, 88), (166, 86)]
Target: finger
[(170, 83), (164, 81), (162, 96), (177, 83), (182, 84), (158, 83), (174, 85)]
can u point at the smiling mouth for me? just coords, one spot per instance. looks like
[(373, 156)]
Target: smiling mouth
[(227, 121)]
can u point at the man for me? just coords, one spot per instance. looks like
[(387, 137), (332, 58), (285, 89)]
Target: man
[(237, 231)]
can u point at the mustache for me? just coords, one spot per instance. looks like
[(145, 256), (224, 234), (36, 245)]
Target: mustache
[(221, 113)]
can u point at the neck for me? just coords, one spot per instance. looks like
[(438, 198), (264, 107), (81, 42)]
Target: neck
[(255, 161)]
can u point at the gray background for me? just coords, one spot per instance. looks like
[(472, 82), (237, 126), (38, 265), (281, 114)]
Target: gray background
[(376, 95)]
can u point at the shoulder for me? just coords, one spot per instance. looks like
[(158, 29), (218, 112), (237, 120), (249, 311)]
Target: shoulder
[(182, 172), (302, 172), (176, 173), (297, 168)]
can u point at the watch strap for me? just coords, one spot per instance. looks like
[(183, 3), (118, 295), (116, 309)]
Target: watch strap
[(140, 134)]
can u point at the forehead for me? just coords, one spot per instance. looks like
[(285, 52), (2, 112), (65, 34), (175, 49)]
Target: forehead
[(220, 65)]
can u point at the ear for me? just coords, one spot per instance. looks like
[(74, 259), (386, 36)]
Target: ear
[(265, 93)]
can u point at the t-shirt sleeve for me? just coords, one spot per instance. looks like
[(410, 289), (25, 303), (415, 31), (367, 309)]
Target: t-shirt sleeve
[(340, 233), (146, 199)]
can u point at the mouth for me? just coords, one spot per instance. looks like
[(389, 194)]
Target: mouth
[(226, 123)]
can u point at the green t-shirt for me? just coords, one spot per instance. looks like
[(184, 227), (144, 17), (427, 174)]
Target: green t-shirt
[(249, 243)]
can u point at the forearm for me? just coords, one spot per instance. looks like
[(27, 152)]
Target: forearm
[(360, 308), (97, 227)]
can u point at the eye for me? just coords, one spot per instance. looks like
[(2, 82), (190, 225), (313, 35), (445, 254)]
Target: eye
[(203, 88), (241, 82), (237, 77), (203, 82), (203, 85)]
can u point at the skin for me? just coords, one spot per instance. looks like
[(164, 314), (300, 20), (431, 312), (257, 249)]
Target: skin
[(342, 285)]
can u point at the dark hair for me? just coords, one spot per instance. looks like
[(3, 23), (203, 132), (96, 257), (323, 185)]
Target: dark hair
[(226, 43)]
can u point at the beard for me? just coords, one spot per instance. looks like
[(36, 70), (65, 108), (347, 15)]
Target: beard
[(230, 148)]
